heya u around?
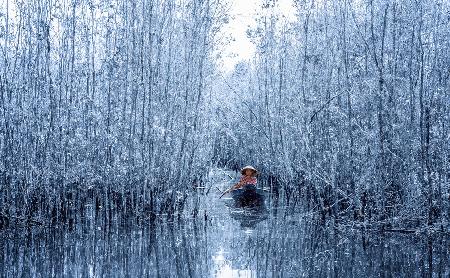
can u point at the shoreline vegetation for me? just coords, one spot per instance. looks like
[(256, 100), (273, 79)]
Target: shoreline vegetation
[(73, 205), (177, 246), (122, 107)]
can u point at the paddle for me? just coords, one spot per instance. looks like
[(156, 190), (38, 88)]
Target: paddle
[(230, 189), (224, 193)]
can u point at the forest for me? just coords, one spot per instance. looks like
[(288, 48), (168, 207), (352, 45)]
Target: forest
[(344, 110)]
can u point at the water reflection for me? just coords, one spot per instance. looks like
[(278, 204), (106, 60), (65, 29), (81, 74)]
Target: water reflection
[(227, 242), (224, 268), (248, 217)]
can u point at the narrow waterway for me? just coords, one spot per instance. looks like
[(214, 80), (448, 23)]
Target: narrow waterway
[(213, 238)]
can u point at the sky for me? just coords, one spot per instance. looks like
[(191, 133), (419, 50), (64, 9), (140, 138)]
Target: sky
[(242, 17), (237, 47)]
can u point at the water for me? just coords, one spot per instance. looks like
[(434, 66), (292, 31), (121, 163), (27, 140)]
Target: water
[(221, 241)]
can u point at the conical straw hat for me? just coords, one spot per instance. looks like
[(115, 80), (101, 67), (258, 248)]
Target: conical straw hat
[(249, 167)]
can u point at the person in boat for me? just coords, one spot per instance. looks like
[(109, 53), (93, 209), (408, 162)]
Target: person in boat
[(248, 178)]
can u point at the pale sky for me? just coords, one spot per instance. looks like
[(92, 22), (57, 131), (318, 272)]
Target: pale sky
[(242, 16)]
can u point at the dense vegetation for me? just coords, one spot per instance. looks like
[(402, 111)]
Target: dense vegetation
[(120, 104), (103, 100), (348, 108)]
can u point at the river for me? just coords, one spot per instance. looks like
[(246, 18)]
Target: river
[(221, 240)]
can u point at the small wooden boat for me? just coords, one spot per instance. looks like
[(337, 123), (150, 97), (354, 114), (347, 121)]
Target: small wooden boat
[(248, 196)]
